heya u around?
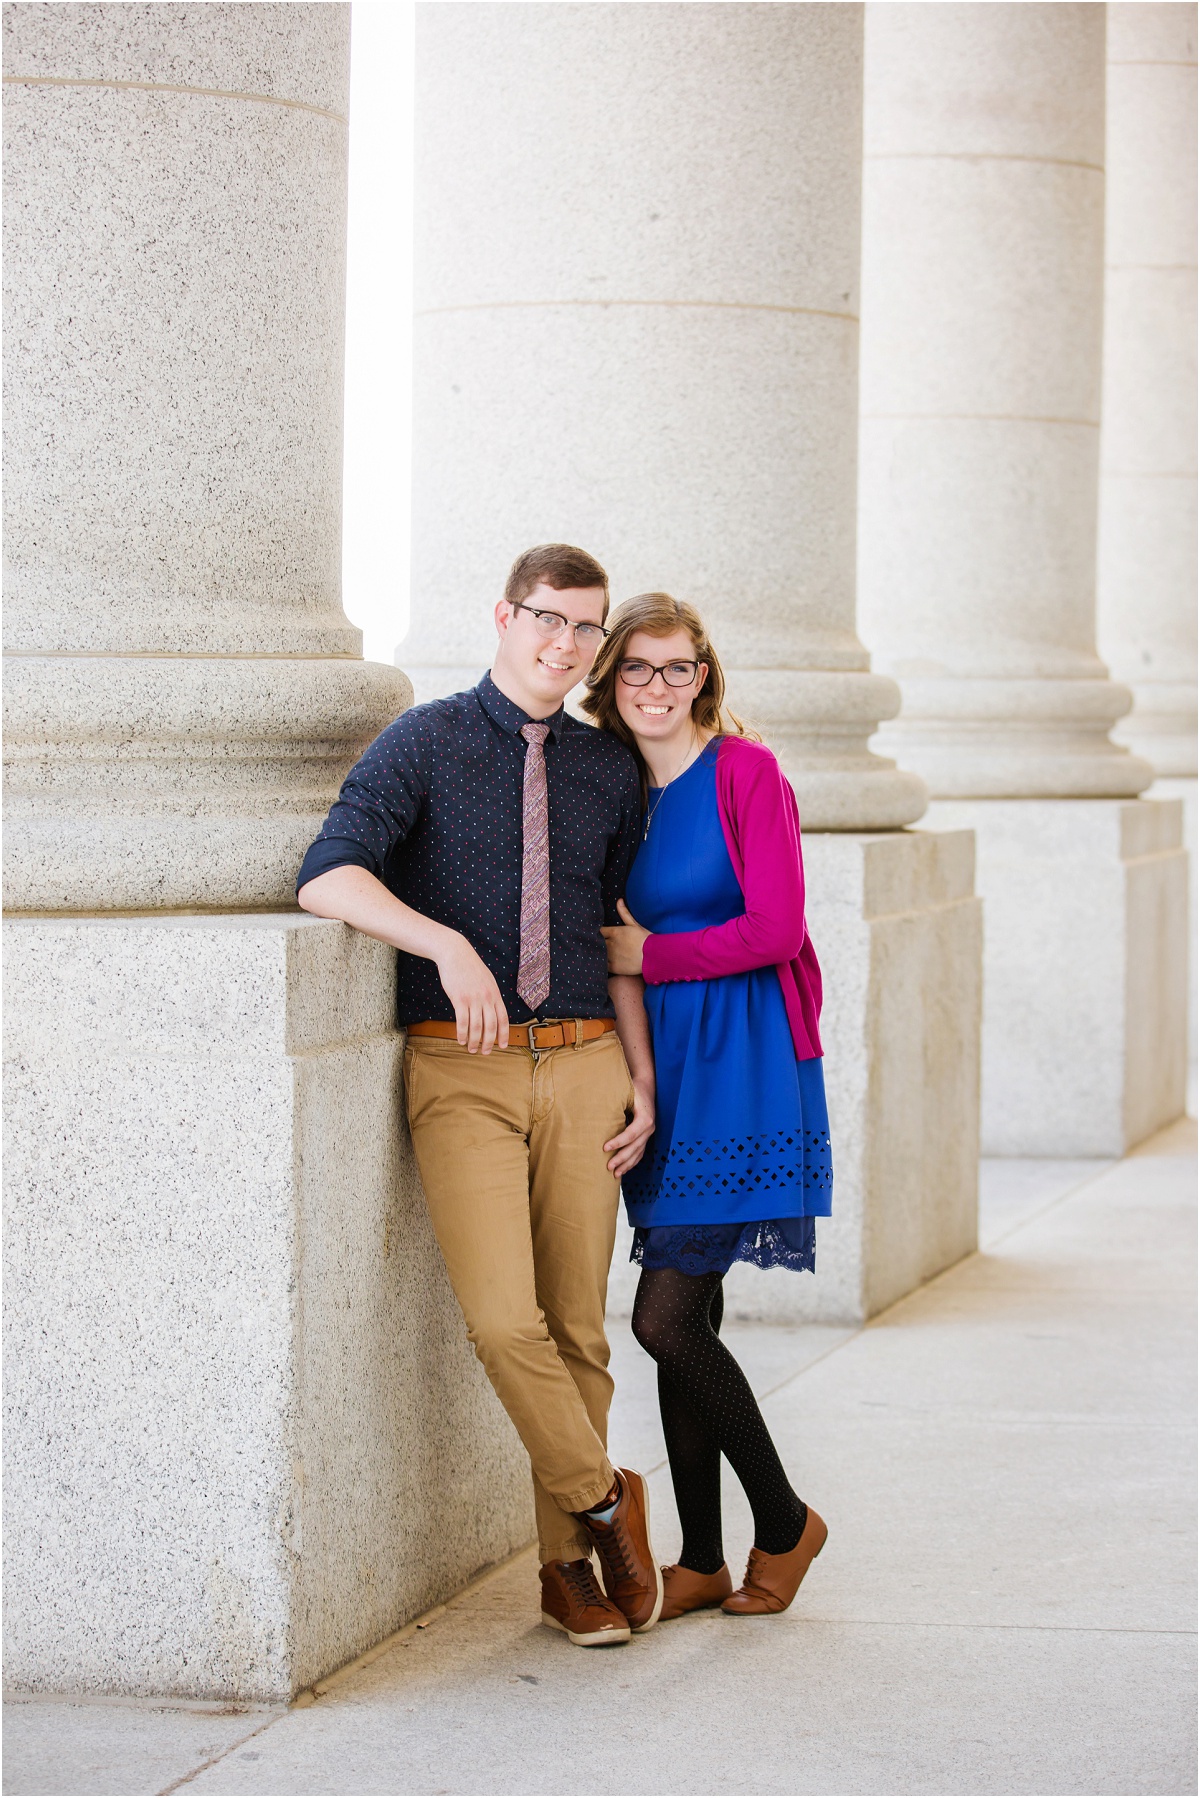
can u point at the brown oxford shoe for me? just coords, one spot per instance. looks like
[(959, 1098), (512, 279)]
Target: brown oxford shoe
[(772, 1581), (685, 1591), (573, 1602), (632, 1576)]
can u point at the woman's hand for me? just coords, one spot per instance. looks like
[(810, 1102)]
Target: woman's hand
[(627, 1149), (624, 943)]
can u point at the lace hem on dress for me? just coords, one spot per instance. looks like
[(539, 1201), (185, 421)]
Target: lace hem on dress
[(713, 1248)]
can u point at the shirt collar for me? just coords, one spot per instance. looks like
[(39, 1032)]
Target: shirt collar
[(502, 711)]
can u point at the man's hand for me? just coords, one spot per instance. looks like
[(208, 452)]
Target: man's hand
[(359, 899), (624, 942), (471, 988), (627, 1149)]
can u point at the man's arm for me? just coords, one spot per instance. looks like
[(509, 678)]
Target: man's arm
[(359, 899), (633, 1028)]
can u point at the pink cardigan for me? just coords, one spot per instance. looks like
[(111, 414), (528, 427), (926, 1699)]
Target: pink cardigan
[(762, 833)]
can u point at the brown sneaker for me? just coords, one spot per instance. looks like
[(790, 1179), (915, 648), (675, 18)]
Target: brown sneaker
[(573, 1602), (772, 1581), (632, 1577), (685, 1591)]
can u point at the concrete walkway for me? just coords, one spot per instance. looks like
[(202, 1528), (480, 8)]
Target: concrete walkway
[(1005, 1460)]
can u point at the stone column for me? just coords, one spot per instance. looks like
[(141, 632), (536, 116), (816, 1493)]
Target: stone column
[(1146, 589), (982, 310), (637, 273), (248, 1437), (636, 295), (183, 689)]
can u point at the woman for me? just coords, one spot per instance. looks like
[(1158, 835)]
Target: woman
[(738, 1167)]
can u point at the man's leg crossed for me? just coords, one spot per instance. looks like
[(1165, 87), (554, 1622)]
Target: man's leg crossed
[(470, 1117), (525, 1213), (580, 1100)]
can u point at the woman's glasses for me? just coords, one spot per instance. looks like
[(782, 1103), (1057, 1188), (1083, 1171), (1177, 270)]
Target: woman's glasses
[(640, 674)]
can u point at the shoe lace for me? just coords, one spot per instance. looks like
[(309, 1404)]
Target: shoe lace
[(613, 1548), (581, 1577), (757, 1557)]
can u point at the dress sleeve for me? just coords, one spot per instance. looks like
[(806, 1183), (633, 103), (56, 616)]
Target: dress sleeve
[(378, 805), (766, 827)]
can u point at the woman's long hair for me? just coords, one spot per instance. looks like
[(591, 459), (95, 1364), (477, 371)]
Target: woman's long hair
[(659, 616)]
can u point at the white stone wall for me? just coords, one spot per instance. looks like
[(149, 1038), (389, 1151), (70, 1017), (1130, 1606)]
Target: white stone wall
[(1085, 902), (246, 1436)]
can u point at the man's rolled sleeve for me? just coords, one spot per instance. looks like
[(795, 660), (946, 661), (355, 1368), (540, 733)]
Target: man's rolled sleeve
[(378, 805)]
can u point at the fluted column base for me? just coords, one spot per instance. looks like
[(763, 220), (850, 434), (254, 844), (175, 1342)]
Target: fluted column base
[(1161, 728), (145, 783), (819, 724), (999, 739)]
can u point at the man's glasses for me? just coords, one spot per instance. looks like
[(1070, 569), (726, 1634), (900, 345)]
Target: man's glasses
[(640, 674), (552, 624)]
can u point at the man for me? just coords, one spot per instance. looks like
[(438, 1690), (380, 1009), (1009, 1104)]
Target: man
[(488, 837)]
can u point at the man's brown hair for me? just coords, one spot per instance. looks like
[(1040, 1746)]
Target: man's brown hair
[(557, 565)]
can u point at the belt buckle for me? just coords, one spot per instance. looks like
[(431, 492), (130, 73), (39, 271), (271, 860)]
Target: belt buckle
[(534, 1048)]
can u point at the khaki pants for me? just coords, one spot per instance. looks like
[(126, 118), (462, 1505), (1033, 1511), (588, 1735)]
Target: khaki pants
[(525, 1210)]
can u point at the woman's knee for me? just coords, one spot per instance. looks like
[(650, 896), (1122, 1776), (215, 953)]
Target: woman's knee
[(670, 1309), (648, 1330), (658, 1323)]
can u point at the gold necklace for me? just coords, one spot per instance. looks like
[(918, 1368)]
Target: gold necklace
[(662, 790)]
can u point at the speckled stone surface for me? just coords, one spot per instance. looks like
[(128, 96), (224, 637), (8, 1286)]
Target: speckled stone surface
[(982, 308), (247, 1436), (1146, 563), (1085, 970), (150, 782), (173, 386), (259, 49), (660, 317), (898, 930), (183, 693)]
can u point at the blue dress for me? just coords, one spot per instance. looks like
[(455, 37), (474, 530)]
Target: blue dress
[(738, 1168)]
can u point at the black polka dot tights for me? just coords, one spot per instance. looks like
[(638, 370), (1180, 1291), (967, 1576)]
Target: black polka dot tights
[(708, 1410)]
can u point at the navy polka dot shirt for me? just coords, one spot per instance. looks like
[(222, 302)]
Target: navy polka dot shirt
[(434, 810)]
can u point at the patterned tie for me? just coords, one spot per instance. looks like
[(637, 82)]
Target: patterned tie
[(533, 974)]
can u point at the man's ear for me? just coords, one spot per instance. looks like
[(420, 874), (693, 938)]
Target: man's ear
[(503, 616)]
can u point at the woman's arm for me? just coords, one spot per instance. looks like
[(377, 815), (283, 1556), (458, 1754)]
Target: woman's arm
[(766, 826)]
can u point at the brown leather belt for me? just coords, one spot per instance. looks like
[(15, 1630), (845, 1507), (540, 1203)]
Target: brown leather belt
[(563, 1033)]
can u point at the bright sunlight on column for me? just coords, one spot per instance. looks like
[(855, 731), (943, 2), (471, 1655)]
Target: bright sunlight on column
[(378, 441)]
